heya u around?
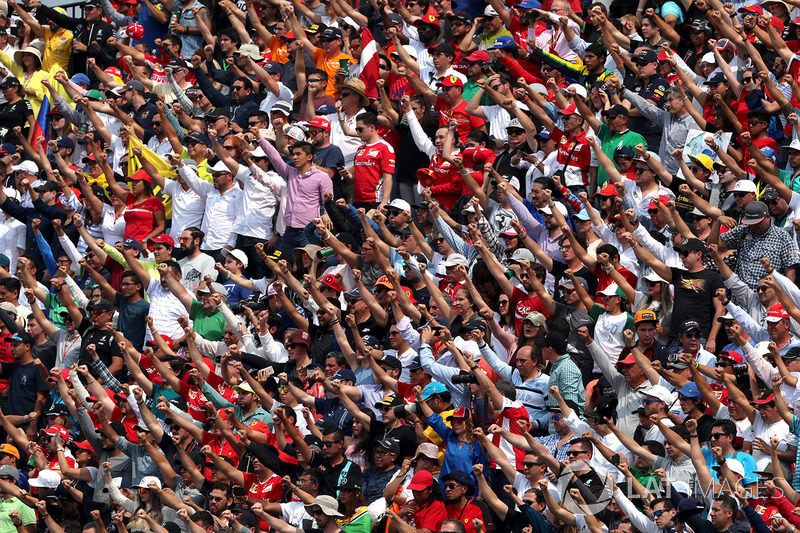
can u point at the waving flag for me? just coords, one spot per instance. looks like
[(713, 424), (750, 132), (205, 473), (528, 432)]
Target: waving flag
[(42, 124), (370, 63)]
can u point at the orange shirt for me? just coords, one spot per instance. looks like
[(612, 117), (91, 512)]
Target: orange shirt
[(330, 66)]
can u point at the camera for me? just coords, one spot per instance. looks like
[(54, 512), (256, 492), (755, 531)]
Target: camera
[(256, 302), (465, 378), (739, 369), (492, 67), (402, 411)]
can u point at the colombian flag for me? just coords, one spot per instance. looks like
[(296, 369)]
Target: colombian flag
[(42, 124)]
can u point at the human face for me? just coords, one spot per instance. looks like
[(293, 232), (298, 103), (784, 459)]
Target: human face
[(576, 453), (330, 446), (161, 252), (384, 459), (454, 491), (300, 159), (217, 502), (691, 259), (646, 332), (129, 287), (220, 179), (719, 516), (691, 340), (92, 13), (463, 305), (647, 29), (524, 362), (778, 330), (647, 69), (757, 127), (661, 516)]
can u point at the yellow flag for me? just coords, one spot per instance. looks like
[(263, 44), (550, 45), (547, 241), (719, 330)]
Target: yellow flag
[(160, 164)]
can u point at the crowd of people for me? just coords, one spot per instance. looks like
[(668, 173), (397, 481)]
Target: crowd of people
[(400, 266)]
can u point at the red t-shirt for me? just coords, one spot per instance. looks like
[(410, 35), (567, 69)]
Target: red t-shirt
[(758, 144), (444, 181), (581, 155), (270, 490), (466, 515), (524, 305), (140, 219), (429, 516), (466, 123), (604, 280), (220, 447), (5, 357), (372, 161), (129, 421), (507, 419)]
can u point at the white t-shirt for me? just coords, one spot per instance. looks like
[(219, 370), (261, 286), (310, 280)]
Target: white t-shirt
[(165, 308), (608, 335), (113, 225), (762, 430), (194, 270), (187, 208)]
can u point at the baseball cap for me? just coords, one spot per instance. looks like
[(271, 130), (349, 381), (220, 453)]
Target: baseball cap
[(777, 313), (754, 213), (645, 315), (616, 110)]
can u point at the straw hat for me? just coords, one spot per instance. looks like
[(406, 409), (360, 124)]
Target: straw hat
[(32, 48), (357, 86)]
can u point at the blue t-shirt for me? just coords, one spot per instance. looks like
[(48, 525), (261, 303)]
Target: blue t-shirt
[(746, 459), (131, 321), (671, 8), (236, 293)]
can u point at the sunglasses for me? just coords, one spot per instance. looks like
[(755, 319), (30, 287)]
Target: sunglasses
[(528, 464), (345, 94), (763, 288), (328, 444), (575, 453), (451, 486), (723, 364), (556, 418), (359, 130), (740, 194), (658, 513), (692, 335), (718, 435), (747, 79)]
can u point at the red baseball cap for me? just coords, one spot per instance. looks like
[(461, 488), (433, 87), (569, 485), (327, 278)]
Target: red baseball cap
[(736, 357), (428, 19), (777, 313), (140, 175), (662, 198), (163, 239), (56, 430), (167, 339), (451, 81), (330, 281), (320, 123), (607, 190)]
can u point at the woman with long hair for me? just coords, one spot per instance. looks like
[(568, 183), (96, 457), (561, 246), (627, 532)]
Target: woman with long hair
[(462, 450), (144, 212), (359, 446)]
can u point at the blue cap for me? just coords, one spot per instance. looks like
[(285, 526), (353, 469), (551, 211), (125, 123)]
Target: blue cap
[(503, 42), (689, 325), (81, 78), (345, 374), (66, 142), (690, 390), (623, 151), (583, 215), (132, 243), (459, 476), (434, 387), (353, 294), (8, 148), (371, 341), (715, 79), (544, 134), (326, 109), (414, 364), (530, 4), (769, 153), (5, 262)]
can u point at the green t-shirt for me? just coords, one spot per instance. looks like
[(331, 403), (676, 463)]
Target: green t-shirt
[(26, 515), (54, 309), (791, 179), (610, 141), (360, 523), (160, 390), (210, 325)]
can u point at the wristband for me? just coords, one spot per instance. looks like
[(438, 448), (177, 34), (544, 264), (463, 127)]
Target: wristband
[(44, 517), (695, 436)]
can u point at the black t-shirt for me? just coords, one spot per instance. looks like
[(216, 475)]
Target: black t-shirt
[(104, 342), (694, 295), (403, 434), (322, 343), (144, 117), (331, 157), (46, 353), (683, 204), (24, 381), (332, 475), (12, 115), (558, 273)]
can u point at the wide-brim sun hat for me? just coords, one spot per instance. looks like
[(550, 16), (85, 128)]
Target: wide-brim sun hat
[(357, 86)]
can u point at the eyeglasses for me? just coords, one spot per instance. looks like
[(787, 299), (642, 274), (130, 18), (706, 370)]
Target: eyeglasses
[(216, 498), (393, 333), (229, 147), (747, 79), (754, 122), (329, 443), (127, 284), (156, 123), (502, 302), (383, 452), (740, 194), (718, 435), (658, 513), (575, 453), (515, 132), (556, 418), (96, 313), (692, 335), (217, 174), (237, 87), (722, 363), (318, 80), (64, 261), (566, 291), (647, 401), (359, 130), (345, 94), (695, 168), (640, 170), (318, 512), (452, 486), (774, 202), (184, 239), (142, 490), (528, 464)]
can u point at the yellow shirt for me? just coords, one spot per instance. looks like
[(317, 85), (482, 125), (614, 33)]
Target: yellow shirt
[(58, 49), (434, 437), (33, 82)]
